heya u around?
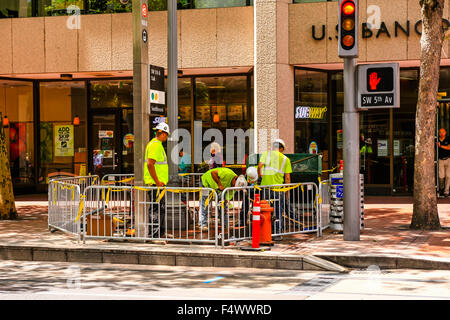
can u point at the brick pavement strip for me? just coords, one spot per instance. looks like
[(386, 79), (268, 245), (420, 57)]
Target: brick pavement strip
[(386, 242)]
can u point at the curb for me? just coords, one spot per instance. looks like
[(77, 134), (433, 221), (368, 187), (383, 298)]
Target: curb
[(387, 262), (170, 258)]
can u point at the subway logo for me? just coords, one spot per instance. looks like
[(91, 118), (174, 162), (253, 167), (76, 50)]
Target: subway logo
[(304, 112)]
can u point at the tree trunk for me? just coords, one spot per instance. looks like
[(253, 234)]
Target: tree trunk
[(425, 212), (7, 205)]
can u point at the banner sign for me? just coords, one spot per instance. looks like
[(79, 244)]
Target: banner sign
[(64, 140)]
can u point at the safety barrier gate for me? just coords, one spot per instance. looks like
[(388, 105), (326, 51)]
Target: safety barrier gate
[(64, 195), (297, 209), (147, 213), (114, 208)]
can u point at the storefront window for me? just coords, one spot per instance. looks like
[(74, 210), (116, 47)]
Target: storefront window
[(404, 132), (111, 131), (111, 93), (337, 92), (39, 8), (63, 141), (222, 103), (444, 108), (16, 103), (375, 147), (15, 8), (311, 113)]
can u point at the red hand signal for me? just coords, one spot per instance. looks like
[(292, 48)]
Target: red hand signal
[(374, 81)]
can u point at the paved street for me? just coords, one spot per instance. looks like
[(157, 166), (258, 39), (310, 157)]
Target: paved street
[(41, 281)]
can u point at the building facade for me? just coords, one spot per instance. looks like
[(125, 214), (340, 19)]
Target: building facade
[(66, 85)]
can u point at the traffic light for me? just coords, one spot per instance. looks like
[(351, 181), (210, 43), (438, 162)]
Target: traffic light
[(348, 28)]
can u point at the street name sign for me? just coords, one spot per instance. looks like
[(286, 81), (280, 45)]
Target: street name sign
[(378, 86), (157, 94)]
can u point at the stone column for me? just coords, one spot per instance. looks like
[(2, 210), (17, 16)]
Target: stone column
[(274, 77)]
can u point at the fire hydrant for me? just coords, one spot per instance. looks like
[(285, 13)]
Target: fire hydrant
[(266, 223)]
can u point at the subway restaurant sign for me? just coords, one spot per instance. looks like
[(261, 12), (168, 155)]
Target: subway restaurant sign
[(314, 113), (63, 141)]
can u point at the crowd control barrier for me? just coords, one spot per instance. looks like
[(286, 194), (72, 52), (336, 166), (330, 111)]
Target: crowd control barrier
[(190, 180), (115, 208), (64, 196), (148, 213), (118, 179), (296, 210)]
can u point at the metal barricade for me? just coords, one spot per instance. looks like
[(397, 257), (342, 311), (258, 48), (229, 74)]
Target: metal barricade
[(324, 201), (82, 181), (118, 179), (296, 210), (63, 207), (150, 213), (190, 180)]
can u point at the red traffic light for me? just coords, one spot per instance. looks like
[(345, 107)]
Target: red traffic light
[(348, 8)]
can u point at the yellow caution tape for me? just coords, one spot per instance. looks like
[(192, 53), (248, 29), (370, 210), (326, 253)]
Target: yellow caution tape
[(118, 220), (293, 220), (330, 170), (81, 208), (211, 195)]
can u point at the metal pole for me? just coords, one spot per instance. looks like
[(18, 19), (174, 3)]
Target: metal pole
[(141, 121), (172, 87), (350, 119)]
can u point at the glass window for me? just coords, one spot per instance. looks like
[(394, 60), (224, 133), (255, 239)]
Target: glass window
[(305, 1), (15, 8), (59, 7), (63, 141), (222, 3), (111, 93), (337, 89), (311, 112), (374, 146), (404, 131), (444, 110), (222, 103), (16, 104)]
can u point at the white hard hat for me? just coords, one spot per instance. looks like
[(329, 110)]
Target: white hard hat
[(215, 146), (280, 141), (241, 182), (163, 127), (252, 174)]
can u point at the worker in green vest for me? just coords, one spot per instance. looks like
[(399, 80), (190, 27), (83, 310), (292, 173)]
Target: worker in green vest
[(275, 169), (218, 179), (156, 174)]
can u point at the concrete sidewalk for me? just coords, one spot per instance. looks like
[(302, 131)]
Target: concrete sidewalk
[(386, 242)]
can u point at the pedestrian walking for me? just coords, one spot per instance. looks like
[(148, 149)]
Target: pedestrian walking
[(156, 173), (444, 163), (275, 168)]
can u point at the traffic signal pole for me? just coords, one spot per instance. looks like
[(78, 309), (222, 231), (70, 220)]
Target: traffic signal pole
[(172, 88), (350, 119), (348, 50)]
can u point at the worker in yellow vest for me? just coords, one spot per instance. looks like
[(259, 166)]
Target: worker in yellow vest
[(275, 168), (156, 173), (218, 179)]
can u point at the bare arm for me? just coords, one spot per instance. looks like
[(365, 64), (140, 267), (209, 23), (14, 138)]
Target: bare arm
[(215, 176), (287, 178), (260, 165)]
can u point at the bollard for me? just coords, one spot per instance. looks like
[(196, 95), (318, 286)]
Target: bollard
[(256, 222)]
